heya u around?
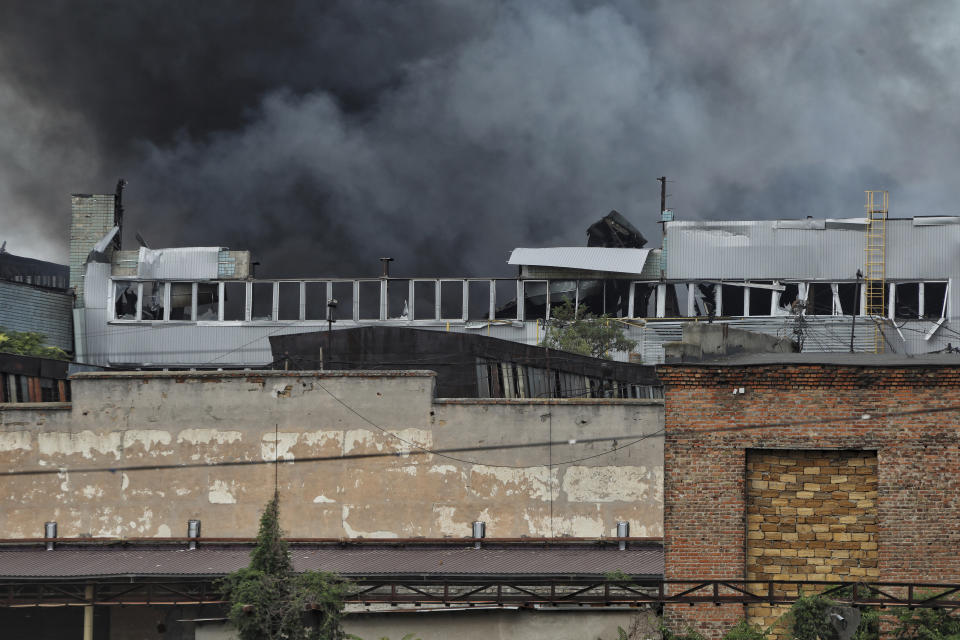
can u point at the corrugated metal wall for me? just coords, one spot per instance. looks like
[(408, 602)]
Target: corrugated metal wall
[(27, 308)]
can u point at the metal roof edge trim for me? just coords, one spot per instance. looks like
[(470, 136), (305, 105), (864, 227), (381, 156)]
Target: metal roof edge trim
[(255, 373), (550, 401)]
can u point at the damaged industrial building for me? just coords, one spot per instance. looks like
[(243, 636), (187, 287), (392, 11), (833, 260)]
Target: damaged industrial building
[(805, 280), (426, 446)]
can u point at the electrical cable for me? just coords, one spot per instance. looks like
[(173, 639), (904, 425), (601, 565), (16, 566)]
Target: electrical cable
[(419, 450)]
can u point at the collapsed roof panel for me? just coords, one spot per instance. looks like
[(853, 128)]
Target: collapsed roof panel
[(613, 230), (630, 261)]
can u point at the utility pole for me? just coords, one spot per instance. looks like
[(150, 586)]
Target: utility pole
[(853, 322), (663, 193)]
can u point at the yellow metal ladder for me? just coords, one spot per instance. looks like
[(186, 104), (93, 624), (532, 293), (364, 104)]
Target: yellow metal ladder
[(875, 274)]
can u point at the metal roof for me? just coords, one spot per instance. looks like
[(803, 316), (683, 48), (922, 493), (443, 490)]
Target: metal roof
[(585, 258), (811, 249), (73, 563), (834, 359)]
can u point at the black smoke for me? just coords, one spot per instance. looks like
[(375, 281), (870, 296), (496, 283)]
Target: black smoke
[(443, 133)]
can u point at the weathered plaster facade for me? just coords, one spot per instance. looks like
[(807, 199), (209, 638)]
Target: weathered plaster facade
[(202, 419)]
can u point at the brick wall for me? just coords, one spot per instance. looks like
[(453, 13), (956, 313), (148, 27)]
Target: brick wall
[(904, 414), (92, 218), (811, 515)]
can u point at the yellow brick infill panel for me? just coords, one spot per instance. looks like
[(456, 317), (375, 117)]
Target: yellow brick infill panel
[(811, 515)]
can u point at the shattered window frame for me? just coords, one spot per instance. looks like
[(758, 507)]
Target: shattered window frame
[(125, 301)]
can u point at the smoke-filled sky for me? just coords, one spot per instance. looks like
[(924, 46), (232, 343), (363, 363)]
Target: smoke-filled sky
[(443, 133)]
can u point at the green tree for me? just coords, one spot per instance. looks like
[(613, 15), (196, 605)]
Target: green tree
[(927, 624), (268, 601), (579, 331), (29, 343)]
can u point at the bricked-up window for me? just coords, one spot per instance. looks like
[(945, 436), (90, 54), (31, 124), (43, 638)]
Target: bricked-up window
[(811, 515)]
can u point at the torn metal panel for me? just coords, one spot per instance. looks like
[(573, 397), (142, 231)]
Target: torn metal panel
[(188, 263), (631, 261)]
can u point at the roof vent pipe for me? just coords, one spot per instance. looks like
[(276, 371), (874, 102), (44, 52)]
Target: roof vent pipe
[(623, 531), (386, 266), (479, 531), (50, 532), (193, 532)]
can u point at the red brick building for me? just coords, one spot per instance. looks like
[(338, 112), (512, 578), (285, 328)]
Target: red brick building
[(792, 468)]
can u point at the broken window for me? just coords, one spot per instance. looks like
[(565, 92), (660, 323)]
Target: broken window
[(315, 305), (261, 307), (208, 301), (234, 300), (907, 302), (934, 299), (703, 301), (181, 301), (732, 299), (369, 300), (644, 300), (425, 299), (761, 299), (125, 300), (451, 299), (398, 291), (534, 300), (152, 304), (788, 304), (849, 294), (288, 307), (479, 300), (820, 299), (506, 298)]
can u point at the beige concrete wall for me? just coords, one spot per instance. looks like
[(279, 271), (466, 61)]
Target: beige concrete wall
[(124, 419), (484, 625)]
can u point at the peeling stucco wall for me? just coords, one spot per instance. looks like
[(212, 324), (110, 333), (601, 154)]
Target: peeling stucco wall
[(201, 419)]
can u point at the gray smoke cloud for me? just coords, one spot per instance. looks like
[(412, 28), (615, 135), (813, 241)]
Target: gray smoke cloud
[(442, 133)]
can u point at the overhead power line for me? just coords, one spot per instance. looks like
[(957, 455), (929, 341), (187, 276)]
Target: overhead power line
[(418, 450)]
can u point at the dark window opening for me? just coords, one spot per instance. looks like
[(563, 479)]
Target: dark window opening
[(534, 300), (288, 307), (849, 293), (820, 299), (907, 304), (181, 301), (704, 300), (152, 305), (208, 301), (934, 295), (370, 300), (316, 302), (732, 300), (788, 298), (234, 300), (125, 300), (760, 300), (48, 390), (644, 300), (479, 292), (425, 301), (261, 307), (398, 306), (451, 300)]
